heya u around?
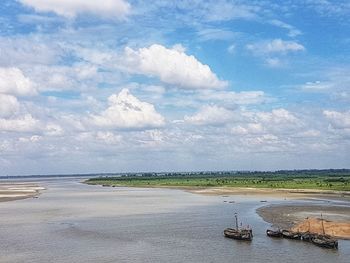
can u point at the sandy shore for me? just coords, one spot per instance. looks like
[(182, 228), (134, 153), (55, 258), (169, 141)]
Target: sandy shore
[(321, 226), (16, 191), (279, 193), (289, 216)]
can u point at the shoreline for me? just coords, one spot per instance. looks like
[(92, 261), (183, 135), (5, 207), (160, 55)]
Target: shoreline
[(12, 191)]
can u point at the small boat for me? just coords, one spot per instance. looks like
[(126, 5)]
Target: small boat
[(239, 233), (290, 234), (325, 242), (273, 233)]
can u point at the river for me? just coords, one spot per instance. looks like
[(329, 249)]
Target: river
[(73, 222)]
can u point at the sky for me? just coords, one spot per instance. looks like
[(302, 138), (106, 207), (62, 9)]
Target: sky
[(129, 85)]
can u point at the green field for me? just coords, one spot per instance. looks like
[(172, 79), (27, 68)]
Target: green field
[(306, 179)]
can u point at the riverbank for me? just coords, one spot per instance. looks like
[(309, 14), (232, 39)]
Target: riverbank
[(10, 191)]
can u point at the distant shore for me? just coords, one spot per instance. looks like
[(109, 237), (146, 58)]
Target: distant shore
[(16, 191)]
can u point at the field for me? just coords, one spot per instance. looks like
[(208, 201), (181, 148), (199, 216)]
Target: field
[(301, 179)]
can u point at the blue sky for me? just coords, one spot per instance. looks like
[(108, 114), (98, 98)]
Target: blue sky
[(120, 85)]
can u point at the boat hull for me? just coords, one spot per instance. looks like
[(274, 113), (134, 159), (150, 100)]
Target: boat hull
[(325, 242), (290, 234), (243, 234), (273, 233)]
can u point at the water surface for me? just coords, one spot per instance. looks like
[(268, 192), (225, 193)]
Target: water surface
[(73, 222)]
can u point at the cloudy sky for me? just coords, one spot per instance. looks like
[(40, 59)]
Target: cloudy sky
[(132, 85)]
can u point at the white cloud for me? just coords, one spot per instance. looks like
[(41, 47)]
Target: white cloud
[(250, 128), (277, 116), (53, 129), (209, 34), (210, 115), (172, 66), (316, 86), (292, 31), (71, 8), (108, 137), (17, 51), (335, 83), (275, 46), (230, 98), (12, 81), (126, 111), (25, 123), (58, 78), (338, 120), (276, 122), (9, 105), (226, 10)]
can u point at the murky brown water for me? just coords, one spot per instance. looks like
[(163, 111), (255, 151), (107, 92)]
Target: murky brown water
[(72, 222)]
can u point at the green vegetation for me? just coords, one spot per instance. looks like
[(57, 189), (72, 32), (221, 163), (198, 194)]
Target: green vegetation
[(298, 179)]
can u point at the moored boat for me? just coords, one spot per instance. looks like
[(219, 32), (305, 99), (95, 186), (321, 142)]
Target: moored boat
[(290, 234), (325, 242), (273, 233), (239, 233)]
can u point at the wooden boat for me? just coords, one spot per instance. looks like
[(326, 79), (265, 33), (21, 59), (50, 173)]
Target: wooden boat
[(325, 242), (290, 234), (273, 233), (239, 233)]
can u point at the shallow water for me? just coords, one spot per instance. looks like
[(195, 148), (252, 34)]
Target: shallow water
[(73, 222)]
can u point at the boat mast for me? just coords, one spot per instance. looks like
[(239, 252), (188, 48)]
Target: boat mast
[(322, 224), (236, 221)]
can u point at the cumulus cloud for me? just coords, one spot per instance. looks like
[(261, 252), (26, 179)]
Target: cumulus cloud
[(275, 46), (9, 105), (338, 120), (125, 111), (70, 9), (210, 115), (277, 116), (231, 97), (12, 81), (278, 121), (250, 128), (17, 51), (172, 66), (25, 123)]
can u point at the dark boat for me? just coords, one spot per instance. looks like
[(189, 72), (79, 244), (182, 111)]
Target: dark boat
[(325, 242), (273, 233), (239, 233), (307, 236), (290, 234)]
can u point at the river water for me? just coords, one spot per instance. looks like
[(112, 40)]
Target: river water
[(73, 222)]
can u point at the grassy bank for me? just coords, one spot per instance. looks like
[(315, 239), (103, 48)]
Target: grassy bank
[(332, 180)]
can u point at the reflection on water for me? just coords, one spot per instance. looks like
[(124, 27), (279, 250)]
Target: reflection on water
[(72, 222)]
